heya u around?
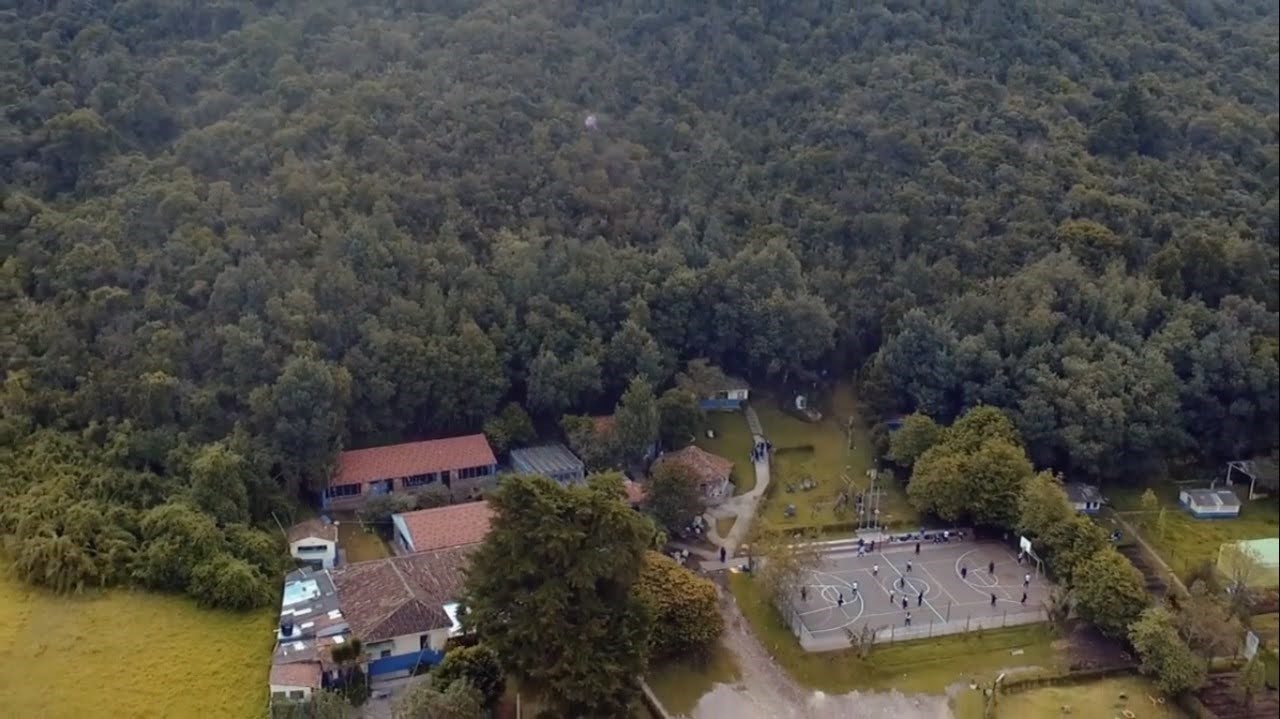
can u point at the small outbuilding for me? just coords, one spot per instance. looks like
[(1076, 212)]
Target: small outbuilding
[(1210, 503), (1084, 498), (314, 542), (552, 460), (711, 472)]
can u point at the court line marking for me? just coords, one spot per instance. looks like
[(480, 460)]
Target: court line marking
[(941, 585), (987, 589), (927, 603)]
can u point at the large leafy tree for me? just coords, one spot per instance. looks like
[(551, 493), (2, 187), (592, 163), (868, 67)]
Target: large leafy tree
[(686, 615), (636, 420), (551, 591), (1165, 656), (916, 435), (679, 417), (476, 665), (1109, 592), (975, 472), (672, 496)]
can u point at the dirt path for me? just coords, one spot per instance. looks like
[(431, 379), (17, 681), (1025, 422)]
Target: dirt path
[(765, 691)]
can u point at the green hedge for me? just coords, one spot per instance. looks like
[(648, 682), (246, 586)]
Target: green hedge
[(1017, 686)]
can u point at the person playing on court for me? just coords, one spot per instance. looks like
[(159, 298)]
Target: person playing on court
[(855, 587), (908, 566), (964, 572), (1024, 597), (993, 599), (920, 598), (991, 568), (891, 597), (875, 570), (908, 619), (917, 547), (804, 593), (840, 599), (1026, 580), (904, 603)]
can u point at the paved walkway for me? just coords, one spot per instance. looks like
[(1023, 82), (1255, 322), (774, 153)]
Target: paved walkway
[(743, 506)]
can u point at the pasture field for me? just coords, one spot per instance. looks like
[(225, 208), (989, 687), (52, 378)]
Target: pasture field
[(127, 653)]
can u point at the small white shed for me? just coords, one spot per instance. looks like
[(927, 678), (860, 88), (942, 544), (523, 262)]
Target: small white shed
[(314, 542), (1210, 503)]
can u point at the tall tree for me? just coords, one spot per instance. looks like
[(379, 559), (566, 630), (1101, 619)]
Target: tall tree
[(551, 591), (679, 417), (1164, 655), (672, 497), (684, 606), (916, 435), (636, 420), (1109, 592)]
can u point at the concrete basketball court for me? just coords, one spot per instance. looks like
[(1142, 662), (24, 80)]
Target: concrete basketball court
[(951, 603)]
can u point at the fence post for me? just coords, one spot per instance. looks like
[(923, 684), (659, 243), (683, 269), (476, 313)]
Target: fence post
[(1004, 619), (891, 629), (948, 610)]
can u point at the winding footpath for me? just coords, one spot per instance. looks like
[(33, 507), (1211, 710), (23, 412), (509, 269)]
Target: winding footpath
[(742, 507)]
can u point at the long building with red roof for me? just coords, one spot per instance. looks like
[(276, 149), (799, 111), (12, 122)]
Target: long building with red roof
[(456, 464)]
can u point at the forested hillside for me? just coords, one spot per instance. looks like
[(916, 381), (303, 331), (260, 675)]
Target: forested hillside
[(238, 236)]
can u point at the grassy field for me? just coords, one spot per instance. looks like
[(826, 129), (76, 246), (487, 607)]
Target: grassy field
[(359, 545), (680, 684), (922, 666), (1185, 542), (733, 442), (724, 525), (129, 654), (1100, 698), (820, 451)]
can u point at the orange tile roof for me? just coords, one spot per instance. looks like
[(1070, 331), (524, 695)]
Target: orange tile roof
[(452, 526), (705, 466), (635, 492), (313, 528), (604, 424), (296, 674), (387, 598), (358, 466)]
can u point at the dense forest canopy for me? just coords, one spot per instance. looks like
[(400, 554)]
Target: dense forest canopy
[(238, 236)]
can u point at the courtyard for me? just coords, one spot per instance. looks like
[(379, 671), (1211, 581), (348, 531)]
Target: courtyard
[(894, 594)]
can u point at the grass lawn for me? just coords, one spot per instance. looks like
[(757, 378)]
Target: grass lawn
[(733, 442), (359, 545), (680, 684), (724, 525), (927, 666), (827, 463), (1099, 698), (129, 654), (1186, 542)]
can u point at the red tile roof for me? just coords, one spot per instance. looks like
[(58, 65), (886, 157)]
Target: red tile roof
[(604, 424), (444, 527), (358, 466), (296, 674), (706, 467), (313, 528), (635, 492), (387, 598)]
